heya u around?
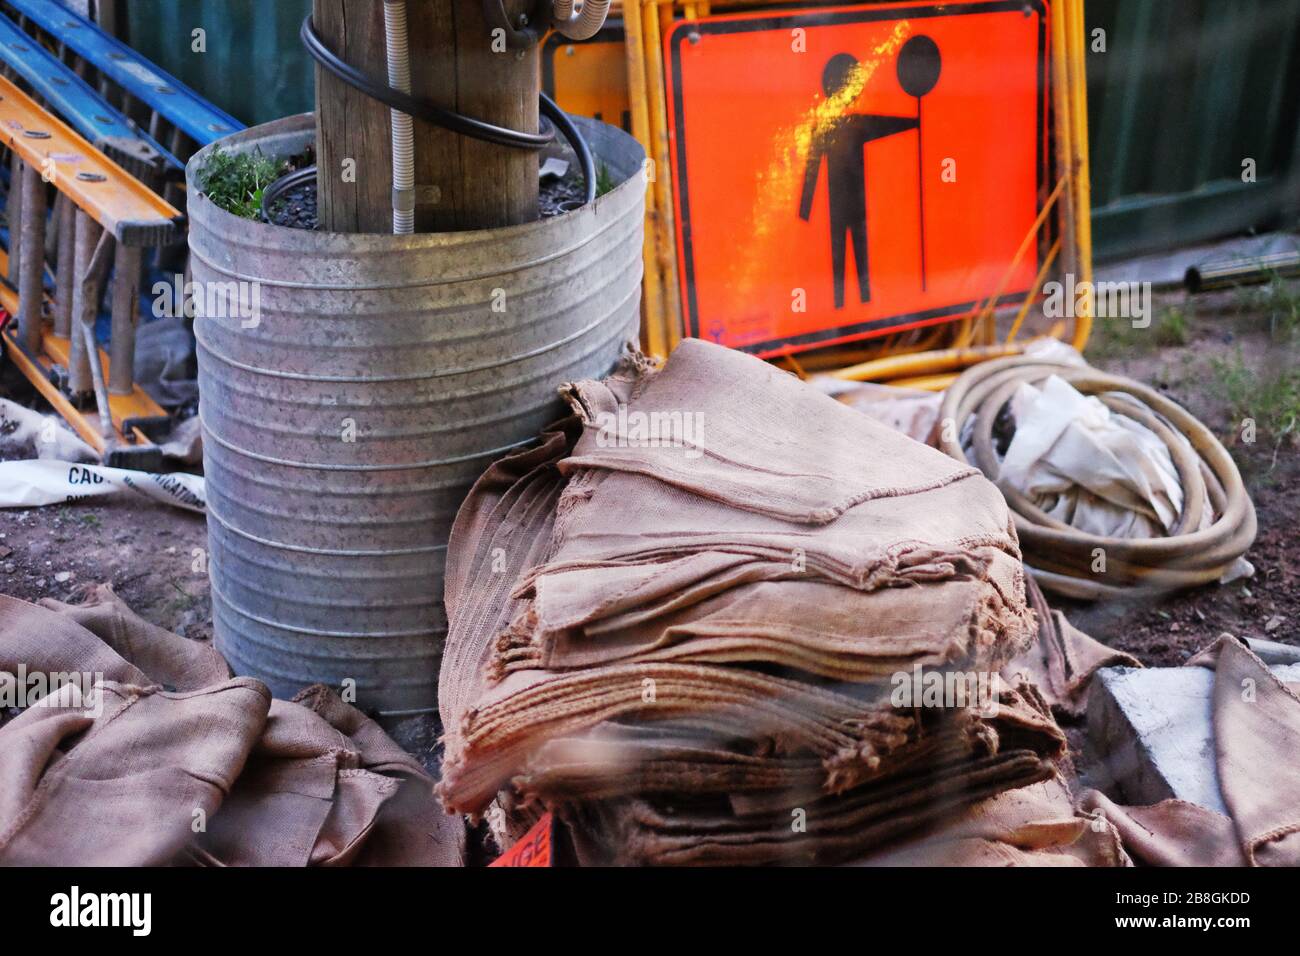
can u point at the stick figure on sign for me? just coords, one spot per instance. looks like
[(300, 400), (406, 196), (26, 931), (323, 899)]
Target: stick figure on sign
[(841, 142)]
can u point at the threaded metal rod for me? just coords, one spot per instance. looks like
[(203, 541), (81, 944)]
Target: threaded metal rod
[(66, 265), (126, 292), (31, 270), (84, 306)]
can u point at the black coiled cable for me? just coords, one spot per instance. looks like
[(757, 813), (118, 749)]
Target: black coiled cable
[(285, 184), (422, 109)]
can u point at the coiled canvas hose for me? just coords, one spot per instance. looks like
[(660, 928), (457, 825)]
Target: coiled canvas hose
[(1063, 558)]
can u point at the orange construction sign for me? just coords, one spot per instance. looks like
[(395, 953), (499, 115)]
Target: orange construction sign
[(589, 78), (534, 849), (848, 172)]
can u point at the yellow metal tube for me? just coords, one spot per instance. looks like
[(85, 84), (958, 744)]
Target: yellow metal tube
[(1083, 185), (987, 308), (1063, 109), (655, 339), (926, 383), (665, 231), (924, 363), (1033, 292)]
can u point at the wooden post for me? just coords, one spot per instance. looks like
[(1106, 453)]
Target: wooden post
[(461, 183)]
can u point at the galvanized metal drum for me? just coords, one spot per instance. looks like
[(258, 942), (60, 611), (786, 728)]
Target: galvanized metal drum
[(353, 387)]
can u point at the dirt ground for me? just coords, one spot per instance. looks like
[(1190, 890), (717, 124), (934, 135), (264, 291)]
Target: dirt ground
[(145, 551), (1227, 357)]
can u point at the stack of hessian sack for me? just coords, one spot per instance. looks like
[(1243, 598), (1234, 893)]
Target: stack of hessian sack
[(719, 617)]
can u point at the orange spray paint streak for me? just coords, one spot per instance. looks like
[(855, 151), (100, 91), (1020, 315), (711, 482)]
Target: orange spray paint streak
[(777, 186)]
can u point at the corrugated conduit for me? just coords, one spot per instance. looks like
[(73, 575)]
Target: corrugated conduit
[(398, 51), (583, 24)]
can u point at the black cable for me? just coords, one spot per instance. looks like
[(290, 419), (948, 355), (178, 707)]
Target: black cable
[(551, 110), (447, 119), (413, 106), (301, 177), (285, 184)]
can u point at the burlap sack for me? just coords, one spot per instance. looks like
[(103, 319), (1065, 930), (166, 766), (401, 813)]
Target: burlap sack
[(176, 762), (710, 623), (1063, 660), (1256, 720)]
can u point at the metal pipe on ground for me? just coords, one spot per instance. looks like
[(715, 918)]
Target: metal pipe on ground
[(346, 416), (1238, 272), (1272, 652)]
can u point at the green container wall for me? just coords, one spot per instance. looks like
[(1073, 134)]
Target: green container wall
[(254, 68), (1185, 92)]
